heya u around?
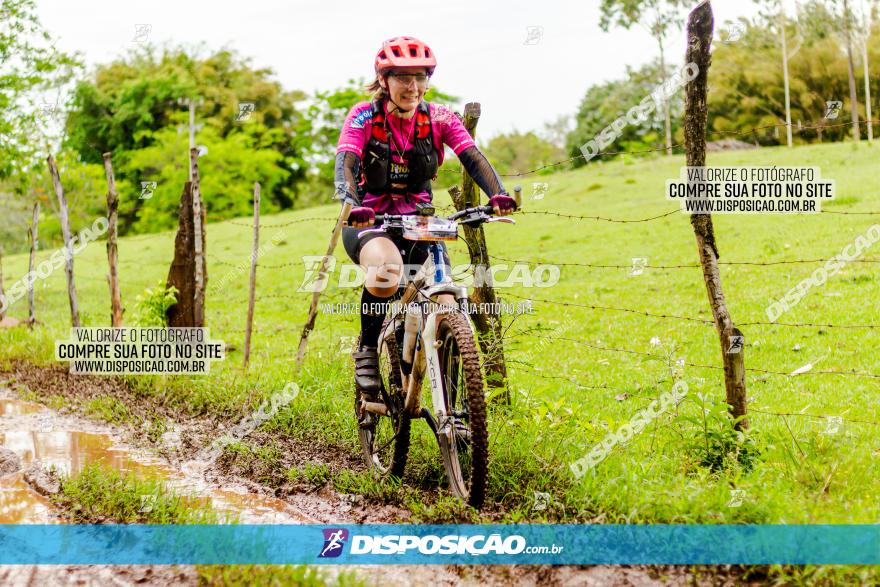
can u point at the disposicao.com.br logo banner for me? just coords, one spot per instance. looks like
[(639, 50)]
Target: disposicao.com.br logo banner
[(563, 544), (412, 543)]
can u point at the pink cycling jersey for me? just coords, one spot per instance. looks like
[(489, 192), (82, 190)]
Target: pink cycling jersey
[(356, 132)]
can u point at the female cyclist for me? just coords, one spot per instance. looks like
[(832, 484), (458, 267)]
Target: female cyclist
[(388, 154)]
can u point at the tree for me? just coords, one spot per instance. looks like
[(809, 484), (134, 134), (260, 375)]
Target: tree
[(227, 175), (31, 68), (556, 131), (842, 22), (604, 103), (33, 75), (750, 95), (659, 17), (517, 152), (128, 105)]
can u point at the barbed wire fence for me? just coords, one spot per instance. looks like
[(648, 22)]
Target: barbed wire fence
[(286, 297)]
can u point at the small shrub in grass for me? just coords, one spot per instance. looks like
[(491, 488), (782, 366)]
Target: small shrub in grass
[(715, 442), (151, 306)]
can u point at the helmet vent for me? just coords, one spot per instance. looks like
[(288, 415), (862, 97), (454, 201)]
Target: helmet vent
[(396, 52)]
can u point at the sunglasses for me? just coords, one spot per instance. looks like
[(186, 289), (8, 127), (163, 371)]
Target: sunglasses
[(405, 79)]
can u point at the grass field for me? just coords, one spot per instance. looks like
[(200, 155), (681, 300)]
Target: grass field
[(569, 389)]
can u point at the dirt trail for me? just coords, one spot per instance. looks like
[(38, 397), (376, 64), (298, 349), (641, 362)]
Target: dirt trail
[(69, 441)]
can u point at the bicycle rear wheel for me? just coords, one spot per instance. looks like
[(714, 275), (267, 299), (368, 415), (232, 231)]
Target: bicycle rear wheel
[(466, 456), (386, 444)]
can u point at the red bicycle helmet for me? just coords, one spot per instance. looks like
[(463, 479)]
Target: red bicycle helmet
[(405, 52)]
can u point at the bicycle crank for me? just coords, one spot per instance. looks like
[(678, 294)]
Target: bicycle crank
[(374, 407)]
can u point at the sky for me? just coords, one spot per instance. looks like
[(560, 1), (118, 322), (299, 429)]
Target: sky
[(488, 51)]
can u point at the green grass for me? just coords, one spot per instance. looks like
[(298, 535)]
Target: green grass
[(312, 474), (271, 576), (567, 396), (99, 494), (55, 402), (108, 409)]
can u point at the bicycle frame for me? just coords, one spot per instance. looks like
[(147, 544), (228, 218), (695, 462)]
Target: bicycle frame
[(424, 318), (431, 281)]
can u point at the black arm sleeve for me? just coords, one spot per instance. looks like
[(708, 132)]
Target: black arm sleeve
[(345, 171), (479, 168)]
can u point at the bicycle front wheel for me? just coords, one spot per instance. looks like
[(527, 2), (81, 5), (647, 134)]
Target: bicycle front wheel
[(464, 438)]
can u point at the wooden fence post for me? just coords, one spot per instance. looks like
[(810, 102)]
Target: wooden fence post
[(32, 233), (488, 324), (517, 195), (699, 38), (198, 241), (65, 230), (253, 284), (112, 249), (2, 294)]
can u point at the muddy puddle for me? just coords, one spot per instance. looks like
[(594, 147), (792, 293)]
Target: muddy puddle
[(70, 442), (38, 434)]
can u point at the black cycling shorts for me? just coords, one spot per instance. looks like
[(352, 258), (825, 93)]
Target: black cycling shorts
[(412, 252)]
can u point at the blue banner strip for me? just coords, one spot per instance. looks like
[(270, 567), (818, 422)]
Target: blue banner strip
[(440, 544)]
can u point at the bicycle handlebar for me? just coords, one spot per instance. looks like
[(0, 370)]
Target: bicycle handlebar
[(381, 218)]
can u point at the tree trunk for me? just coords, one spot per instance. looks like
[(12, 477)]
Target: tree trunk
[(183, 267), (853, 96), (699, 35), (785, 76), (112, 249)]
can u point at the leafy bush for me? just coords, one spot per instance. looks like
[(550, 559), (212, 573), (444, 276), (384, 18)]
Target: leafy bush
[(152, 305)]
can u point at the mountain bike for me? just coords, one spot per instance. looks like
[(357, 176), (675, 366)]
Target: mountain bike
[(420, 337)]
